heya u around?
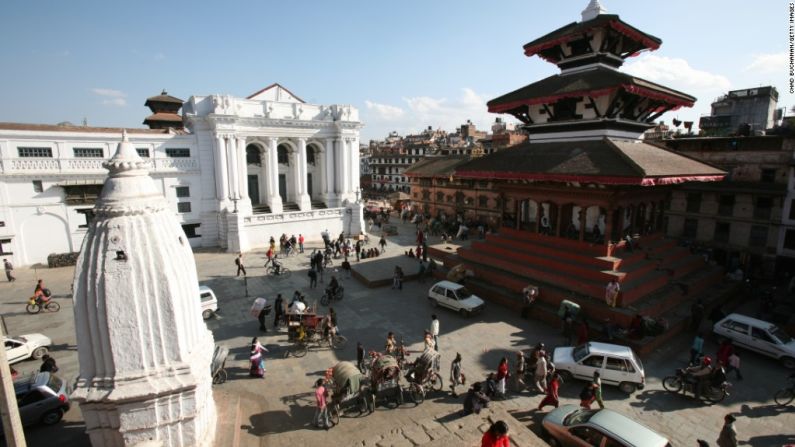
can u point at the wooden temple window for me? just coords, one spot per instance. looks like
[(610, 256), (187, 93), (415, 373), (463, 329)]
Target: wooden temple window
[(483, 201), (581, 47), (566, 109), (693, 202), (439, 196), (82, 194), (426, 195), (459, 198)]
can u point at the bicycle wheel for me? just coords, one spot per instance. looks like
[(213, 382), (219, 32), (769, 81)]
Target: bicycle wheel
[(785, 396), (52, 306), (416, 393), (436, 382), (33, 308), (299, 350), (285, 272), (324, 300), (672, 384), (220, 376), (338, 341), (334, 414)]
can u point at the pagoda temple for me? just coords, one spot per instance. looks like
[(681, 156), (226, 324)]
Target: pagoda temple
[(583, 200), (165, 112)]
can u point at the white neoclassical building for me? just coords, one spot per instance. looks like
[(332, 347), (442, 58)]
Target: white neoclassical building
[(240, 171)]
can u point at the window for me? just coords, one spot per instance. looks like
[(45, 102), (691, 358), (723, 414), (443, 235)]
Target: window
[(31, 398), (483, 201), (459, 198), (789, 240), (183, 207), (722, 230), (5, 247), (763, 207), (440, 196), (768, 176), (190, 230), (449, 198), (88, 152), (792, 209), (693, 202), (37, 186), (588, 434), (616, 364), (39, 152), (426, 195), (142, 152), (310, 155), (759, 334), (178, 152), (691, 229), (726, 205), (88, 214), (82, 194), (282, 155), (565, 109), (594, 361), (183, 191), (758, 236), (736, 326), (451, 295)]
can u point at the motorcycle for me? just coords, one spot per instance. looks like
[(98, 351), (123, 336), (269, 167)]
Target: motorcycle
[(328, 296), (684, 383)]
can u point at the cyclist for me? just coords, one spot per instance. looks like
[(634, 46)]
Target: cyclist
[(333, 287)]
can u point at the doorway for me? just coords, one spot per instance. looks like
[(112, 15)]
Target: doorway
[(309, 185), (283, 187), (253, 189)]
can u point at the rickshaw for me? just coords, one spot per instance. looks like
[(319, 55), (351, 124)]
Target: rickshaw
[(349, 389), (423, 376), (385, 379), (306, 329), (217, 367)]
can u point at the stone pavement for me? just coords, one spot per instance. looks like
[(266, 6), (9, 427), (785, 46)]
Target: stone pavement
[(277, 411)]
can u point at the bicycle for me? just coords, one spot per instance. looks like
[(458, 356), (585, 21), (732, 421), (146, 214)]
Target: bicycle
[(35, 305), (283, 271), (784, 396)]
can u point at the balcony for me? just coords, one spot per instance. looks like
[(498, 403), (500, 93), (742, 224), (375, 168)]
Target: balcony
[(27, 166)]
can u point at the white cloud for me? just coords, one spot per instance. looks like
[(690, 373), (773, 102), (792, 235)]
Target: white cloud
[(768, 63), (676, 73), (111, 97), (384, 111)]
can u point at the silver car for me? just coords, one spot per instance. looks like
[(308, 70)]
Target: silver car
[(573, 426), (43, 398)]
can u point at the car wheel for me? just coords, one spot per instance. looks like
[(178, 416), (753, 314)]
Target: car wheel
[(627, 387), (206, 314), (39, 352), (552, 441), (788, 362), (52, 417)]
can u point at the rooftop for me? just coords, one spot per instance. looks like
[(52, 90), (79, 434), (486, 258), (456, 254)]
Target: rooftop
[(72, 128)]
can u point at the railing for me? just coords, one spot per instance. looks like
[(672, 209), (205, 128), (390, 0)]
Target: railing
[(293, 216), (87, 165)]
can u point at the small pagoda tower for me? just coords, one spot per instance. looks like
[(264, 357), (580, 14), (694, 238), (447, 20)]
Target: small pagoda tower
[(165, 112), (143, 348)]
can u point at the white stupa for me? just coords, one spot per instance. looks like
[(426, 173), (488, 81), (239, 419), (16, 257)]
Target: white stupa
[(143, 348)]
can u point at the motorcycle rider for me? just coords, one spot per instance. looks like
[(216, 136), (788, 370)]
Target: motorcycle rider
[(333, 287), (701, 374)]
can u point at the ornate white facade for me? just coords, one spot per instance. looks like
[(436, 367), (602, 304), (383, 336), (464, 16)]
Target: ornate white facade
[(143, 349), (246, 169)]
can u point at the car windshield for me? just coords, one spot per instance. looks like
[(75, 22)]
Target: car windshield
[(463, 293), (779, 334), (55, 383), (578, 417), (637, 360), (580, 352), (206, 297)]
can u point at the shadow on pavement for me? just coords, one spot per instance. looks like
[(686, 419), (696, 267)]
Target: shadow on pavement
[(765, 410), (771, 440), (271, 422)]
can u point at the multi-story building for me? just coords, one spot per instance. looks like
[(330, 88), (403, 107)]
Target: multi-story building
[(741, 218), (242, 170), (754, 107)]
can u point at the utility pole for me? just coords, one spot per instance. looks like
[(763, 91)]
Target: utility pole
[(12, 426)]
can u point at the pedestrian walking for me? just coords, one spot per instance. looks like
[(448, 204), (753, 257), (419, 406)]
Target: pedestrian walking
[(696, 315), (312, 278), (728, 434), (696, 349), (521, 365), (257, 359), (734, 365), (278, 311), (587, 395), (597, 389), (540, 376), (435, 331), (239, 264), (725, 350), (456, 374), (502, 376), (421, 272), (496, 436), (567, 323), (529, 295), (360, 356), (611, 292), (48, 364), (582, 331), (552, 397), (262, 314), (397, 278), (321, 411), (475, 399), (382, 243), (300, 243), (9, 270)]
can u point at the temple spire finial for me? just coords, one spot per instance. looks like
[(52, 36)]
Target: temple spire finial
[(593, 10)]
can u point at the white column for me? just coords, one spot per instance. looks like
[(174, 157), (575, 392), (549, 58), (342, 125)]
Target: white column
[(304, 202), (231, 164), (343, 169), (329, 163), (355, 167), (264, 177), (244, 205), (221, 179), (274, 200)]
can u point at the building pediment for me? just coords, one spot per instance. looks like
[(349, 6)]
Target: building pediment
[(276, 92)]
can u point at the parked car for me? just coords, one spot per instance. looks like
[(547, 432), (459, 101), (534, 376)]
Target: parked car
[(26, 346), (759, 336), (573, 426), (617, 365), (456, 297), (209, 302), (42, 398)]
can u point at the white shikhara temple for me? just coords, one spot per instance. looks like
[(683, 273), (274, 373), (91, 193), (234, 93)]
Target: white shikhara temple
[(240, 171)]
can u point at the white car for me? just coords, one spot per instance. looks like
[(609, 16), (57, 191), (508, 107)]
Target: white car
[(617, 365), (26, 346), (209, 302), (759, 336), (456, 297)]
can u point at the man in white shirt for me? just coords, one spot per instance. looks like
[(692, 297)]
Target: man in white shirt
[(435, 331)]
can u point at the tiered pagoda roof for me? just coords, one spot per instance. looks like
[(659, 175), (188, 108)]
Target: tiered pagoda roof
[(165, 111)]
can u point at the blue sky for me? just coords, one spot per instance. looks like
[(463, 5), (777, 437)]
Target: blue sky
[(405, 65)]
